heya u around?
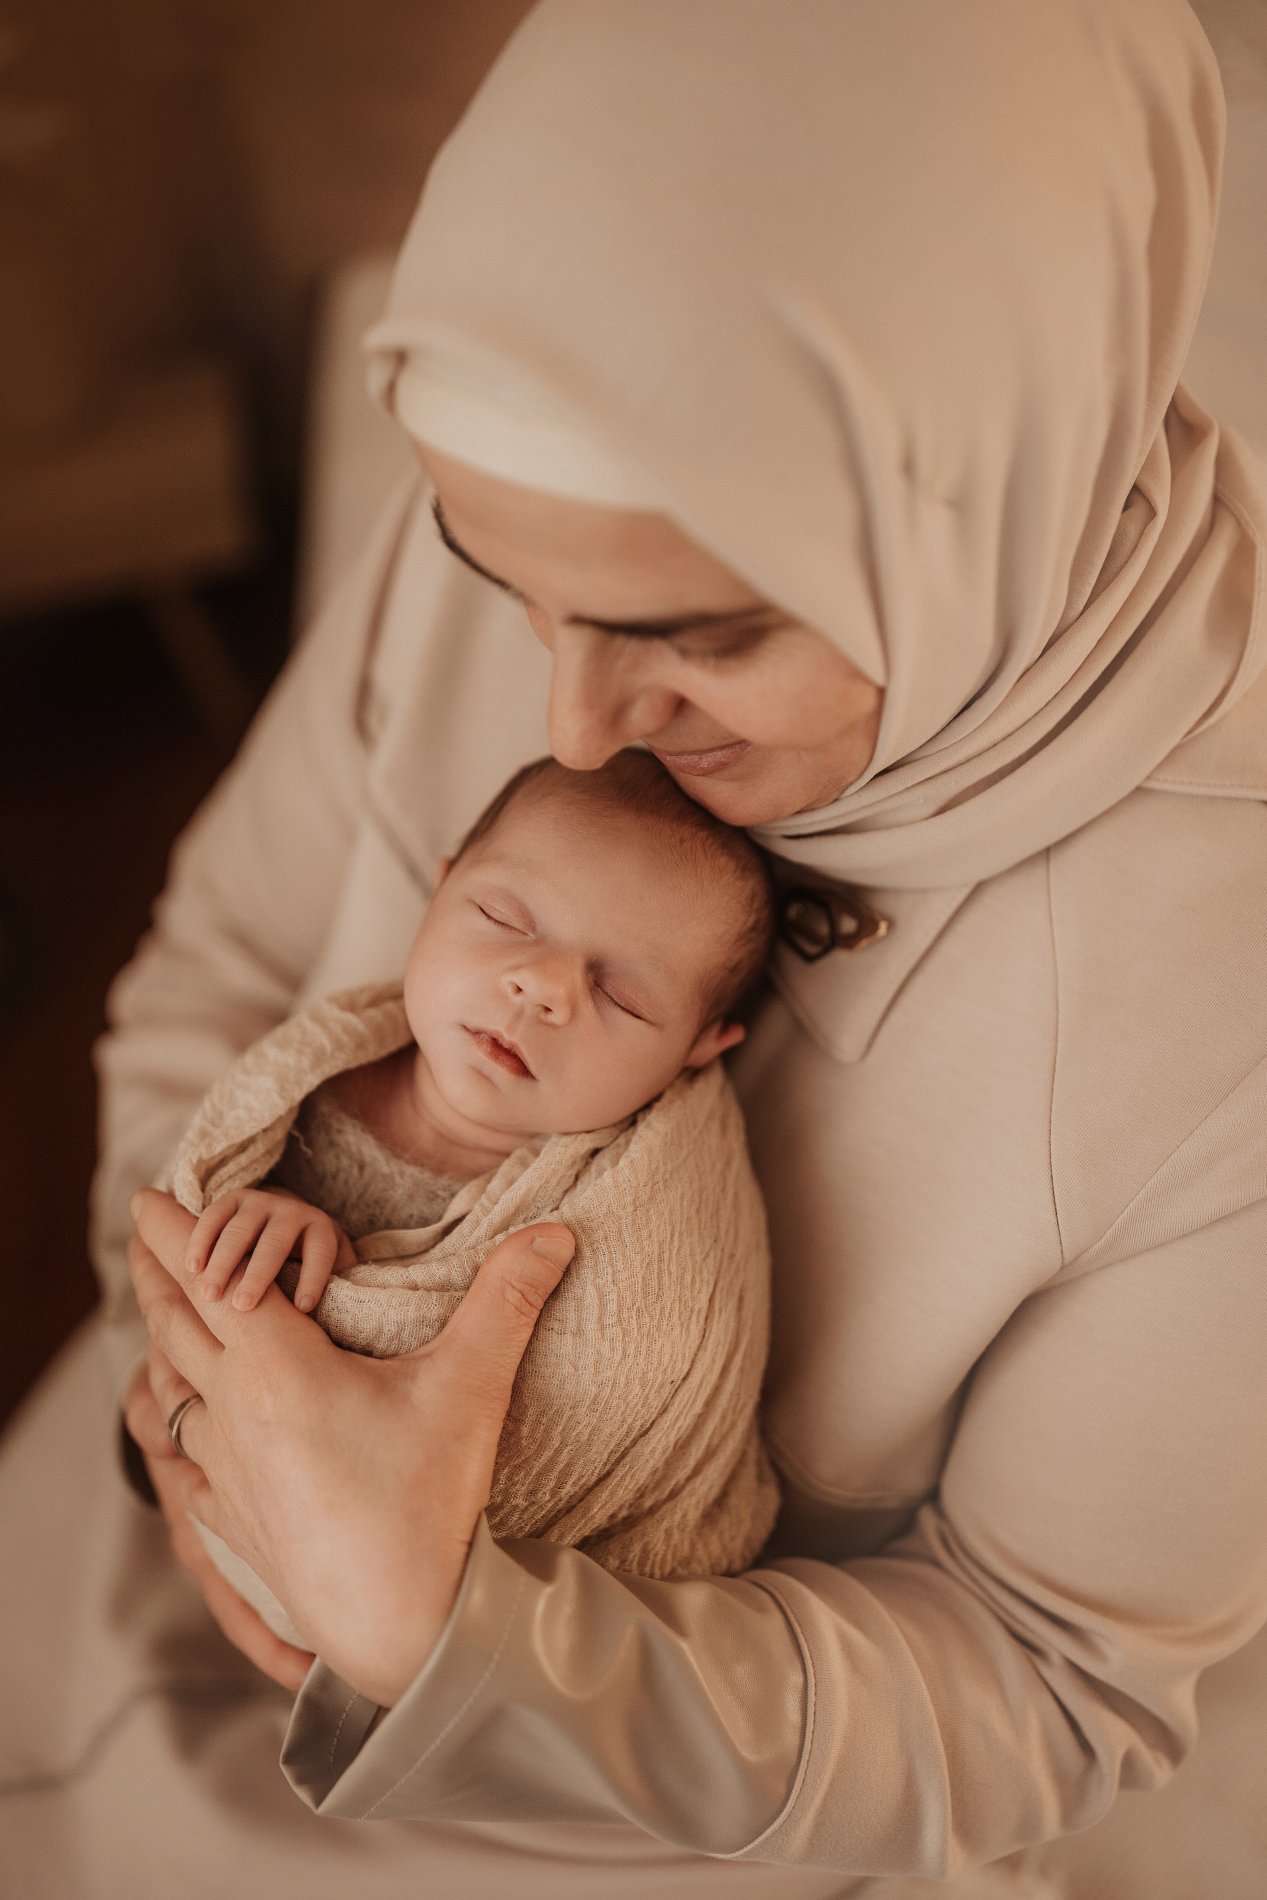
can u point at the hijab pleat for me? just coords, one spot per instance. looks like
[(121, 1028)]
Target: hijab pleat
[(889, 300)]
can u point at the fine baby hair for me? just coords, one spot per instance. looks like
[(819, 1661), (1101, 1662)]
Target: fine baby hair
[(634, 781)]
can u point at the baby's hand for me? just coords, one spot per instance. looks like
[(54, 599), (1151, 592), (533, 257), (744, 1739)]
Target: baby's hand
[(259, 1229)]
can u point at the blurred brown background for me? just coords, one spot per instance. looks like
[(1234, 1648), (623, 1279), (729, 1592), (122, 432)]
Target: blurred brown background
[(180, 183), (197, 200)]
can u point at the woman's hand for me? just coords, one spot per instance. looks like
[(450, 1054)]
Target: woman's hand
[(351, 1485), (174, 1478)]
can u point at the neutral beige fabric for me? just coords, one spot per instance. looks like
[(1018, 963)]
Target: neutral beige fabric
[(632, 1432), (953, 446), (474, 411), (953, 1131), (332, 1160), (1012, 1154)]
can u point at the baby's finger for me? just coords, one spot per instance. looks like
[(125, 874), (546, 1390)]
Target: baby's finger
[(320, 1250), (271, 1252), (231, 1249), (207, 1230)]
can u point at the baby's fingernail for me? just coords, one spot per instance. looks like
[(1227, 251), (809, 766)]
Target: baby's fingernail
[(305, 1302), (556, 1248), (242, 1301)]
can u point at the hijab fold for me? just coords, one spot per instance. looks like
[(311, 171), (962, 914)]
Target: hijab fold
[(889, 300)]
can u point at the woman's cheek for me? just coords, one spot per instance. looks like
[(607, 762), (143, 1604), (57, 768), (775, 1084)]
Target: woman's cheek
[(780, 712)]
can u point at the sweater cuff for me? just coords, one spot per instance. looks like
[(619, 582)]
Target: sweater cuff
[(563, 1692), (345, 1755)]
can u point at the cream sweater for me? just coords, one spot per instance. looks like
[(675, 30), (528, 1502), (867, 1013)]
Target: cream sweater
[(1015, 1385)]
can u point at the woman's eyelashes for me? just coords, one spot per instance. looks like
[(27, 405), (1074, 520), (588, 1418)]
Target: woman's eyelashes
[(717, 652)]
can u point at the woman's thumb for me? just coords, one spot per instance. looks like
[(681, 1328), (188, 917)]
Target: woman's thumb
[(494, 1323)]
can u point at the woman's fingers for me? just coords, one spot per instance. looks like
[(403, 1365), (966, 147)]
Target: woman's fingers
[(179, 1488), (164, 1226), (173, 1325), (248, 1632), (306, 1452), (144, 1417), (170, 1389), (485, 1340)]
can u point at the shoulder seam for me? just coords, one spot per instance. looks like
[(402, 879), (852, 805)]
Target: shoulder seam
[(1128, 1207)]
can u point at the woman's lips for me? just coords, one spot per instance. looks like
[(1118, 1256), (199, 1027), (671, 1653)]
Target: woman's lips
[(703, 764), (504, 1054)]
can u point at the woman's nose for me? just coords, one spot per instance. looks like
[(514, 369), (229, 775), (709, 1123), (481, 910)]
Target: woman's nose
[(545, 983), (602, 697)]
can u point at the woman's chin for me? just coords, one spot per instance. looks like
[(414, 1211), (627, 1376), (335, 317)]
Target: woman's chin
[(735, 803)]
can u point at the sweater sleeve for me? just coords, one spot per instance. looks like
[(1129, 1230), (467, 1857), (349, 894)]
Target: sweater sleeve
[(252, 886), (991, 1679)]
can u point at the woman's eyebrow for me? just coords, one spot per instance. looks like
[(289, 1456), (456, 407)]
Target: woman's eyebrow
[(659, 628)]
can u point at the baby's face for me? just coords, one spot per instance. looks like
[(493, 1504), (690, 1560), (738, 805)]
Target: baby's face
[(557, 981)]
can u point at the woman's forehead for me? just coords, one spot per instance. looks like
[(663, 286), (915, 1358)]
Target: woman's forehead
[(605, 561)]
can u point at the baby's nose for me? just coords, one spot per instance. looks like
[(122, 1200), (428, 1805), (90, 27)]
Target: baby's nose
[(544, 983)]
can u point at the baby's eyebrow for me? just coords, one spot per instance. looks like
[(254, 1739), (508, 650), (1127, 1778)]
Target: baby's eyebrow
[(658, 628)]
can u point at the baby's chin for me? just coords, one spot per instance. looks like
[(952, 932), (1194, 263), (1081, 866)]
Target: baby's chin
[(538, 1112)]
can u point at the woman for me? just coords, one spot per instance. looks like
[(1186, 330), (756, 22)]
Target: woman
[(810, 377)]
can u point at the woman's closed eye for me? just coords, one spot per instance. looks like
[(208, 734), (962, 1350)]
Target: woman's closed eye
[(716, 652)]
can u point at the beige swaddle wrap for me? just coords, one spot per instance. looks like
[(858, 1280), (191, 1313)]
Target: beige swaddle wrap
[(633, 1429)]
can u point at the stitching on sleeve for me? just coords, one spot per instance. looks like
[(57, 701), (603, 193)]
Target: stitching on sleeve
[(334, 1739), (456, 1717), (811, 1713)]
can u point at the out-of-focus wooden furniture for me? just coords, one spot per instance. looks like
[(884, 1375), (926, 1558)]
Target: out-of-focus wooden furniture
[(148, 498)]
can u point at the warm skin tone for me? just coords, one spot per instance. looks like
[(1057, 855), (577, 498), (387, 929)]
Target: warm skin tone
[(290, 1464), (595, 981), (556, 984), (743, 673)]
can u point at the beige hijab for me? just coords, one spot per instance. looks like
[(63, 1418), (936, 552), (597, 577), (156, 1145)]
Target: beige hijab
[(889, 299)]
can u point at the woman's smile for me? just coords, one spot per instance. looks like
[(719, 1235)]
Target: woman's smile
[(651, 636), (703, 764)]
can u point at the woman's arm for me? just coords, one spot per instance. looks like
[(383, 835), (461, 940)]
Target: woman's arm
[(253, 884), (993, 1679)]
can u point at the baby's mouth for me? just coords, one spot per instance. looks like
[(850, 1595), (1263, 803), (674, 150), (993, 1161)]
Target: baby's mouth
[(500, 1051)]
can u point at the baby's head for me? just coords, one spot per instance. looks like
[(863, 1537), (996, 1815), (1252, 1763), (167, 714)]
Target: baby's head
[(593, 935)]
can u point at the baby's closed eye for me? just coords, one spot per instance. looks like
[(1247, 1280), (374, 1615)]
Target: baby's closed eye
[(506, 923)]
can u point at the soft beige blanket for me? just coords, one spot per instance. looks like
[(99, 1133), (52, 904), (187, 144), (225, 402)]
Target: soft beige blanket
[(633, 1429)]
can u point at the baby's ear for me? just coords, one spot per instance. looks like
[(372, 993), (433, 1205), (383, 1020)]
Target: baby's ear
[(713, 1041)]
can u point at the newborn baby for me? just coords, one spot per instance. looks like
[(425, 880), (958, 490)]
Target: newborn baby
[(551, 1054), (591, 937)]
